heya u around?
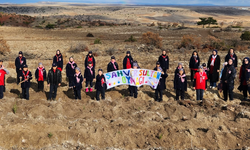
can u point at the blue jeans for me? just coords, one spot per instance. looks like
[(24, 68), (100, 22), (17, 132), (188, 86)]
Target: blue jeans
[(213, 84), (53, 91), (199, 94), (1, 91), (25, 93)]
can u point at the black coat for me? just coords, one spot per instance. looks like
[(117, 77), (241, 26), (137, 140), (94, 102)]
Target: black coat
[(235, 59), (87, 74), (228, 75), (164, 62), (178, 84), (111, 68), (54, 79), (18, 64), (245, 75), (78, 86), (125, 61), (59, 63), (70, 72), (162, 81), (214, 77), (37, 74), (86, 61), (193, 64), (98, 84), (27, 83), (177, 71)]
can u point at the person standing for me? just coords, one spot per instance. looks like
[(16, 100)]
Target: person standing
[(162, 83), (214, 68), (54, 80), (194, 63), (1, 66), (77, 83), (133, 90), (100, 85), (228, 76), (180, 84), (164, 61), (89, 76), (3, 72), (58, 60), (244, 77), (25, 79), (19, 62), (112, 65), (40, 75), (199, 83), (180, 66), (89, 58), (127, 61), (231, 55), (70, 71)]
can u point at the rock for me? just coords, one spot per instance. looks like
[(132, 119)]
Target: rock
[(191, 131), (184, 118)]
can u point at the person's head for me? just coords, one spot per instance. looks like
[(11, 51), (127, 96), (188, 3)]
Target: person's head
[(204, 65), (128, 53), (113, 58), (195, 53), (230, 61), (200, 68), (40, 65), (54, 66), (58, 52), (164, 52), (157, 64), (1, 62), (215, 52), (181, 71), (71, 59), (25, 68), (180, 65), (90, 64), (77, 70), (246, 61), (20, 54), (231, 50), (90, 53), (100, 72), (135, 65)]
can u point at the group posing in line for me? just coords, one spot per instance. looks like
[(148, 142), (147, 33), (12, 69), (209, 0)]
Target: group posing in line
[(200, 74)]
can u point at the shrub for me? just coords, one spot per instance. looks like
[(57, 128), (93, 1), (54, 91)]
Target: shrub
[(111, 51), (4, 47), (50, 26), (151, 38), (131, 39), (90, 35), (241, 47), (97, 41), (215, 43), (245, 36), (190, 42), (80, 47), (50, 135)]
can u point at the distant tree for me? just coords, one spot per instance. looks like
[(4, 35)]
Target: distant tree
[(245, 36), (202, 22)]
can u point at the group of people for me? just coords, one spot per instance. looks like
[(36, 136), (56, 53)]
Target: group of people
[(200, 74)]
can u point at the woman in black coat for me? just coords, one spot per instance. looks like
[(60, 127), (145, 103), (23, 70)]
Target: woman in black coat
[(164, 61), (227, 79), (112, 65), (233, 56), (162, 83), (127, 61), (180, 66), (244, 77), (194, 63), (180, 84), (100, 85), (58, 60), (70, 71), (213, 66), (89, 58)]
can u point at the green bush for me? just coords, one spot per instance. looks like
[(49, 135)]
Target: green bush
[(97, 41), (245, 36), (131, 39), (50, 26)]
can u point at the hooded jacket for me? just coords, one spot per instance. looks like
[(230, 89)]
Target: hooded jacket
[(228, 75), (233, 57)]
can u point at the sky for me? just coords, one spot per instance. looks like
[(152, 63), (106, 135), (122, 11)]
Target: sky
[(147, 2)]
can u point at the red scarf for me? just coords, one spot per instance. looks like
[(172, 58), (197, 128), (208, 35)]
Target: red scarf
[(102, 81), (164, 56), (90, 69), (21, 62), (26, 75), (57, 57), (40, 72), (128, 65)]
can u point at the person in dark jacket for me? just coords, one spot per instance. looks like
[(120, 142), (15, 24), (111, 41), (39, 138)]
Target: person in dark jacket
[(100, 85), (58, 60), (25, 82), (244, 77), (19, 62), (54, 80), (233, 56), (164, 61), (77, 83), (112, 66), (180, 84), (162, 83), (1, 66), (70, 71), (3, 72), (214, 68), (40, 75), (128, 61), (133, 90), (89, 58), (89, 76), (194, 63), (227, 79), (180, 66)]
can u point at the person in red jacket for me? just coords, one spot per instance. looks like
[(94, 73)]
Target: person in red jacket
[(3, 72), (200, 85), (40, 75)]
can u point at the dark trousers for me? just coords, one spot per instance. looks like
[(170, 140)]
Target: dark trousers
[(40, 85), (228, 90), (77, 94), (164, 70), (71, 80), (157, 93), (245, 89), (133, 91), (89, 82), (213, 84), (192, 75), (18, 74), (25, 93), (1, 91), (180, 92), (102, 92), (53, 91), (199, 94), (4, 89)]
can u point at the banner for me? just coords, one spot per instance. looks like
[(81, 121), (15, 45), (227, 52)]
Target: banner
[(133, 77)]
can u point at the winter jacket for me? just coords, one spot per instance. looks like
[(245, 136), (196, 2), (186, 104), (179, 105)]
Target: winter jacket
[(19, 62), (26, 75), (194, 63), (54, 78), (177, 71), (87, 59), (78, 85), (100, 82), (234, 58), (245, 72), (58, 60), (162, 82), (125, 61), (87, 74), (180, 84), (3, 72), (111, 68), (70, 72), (164, 62), (228, 75), (37, 74), (200, 81), (213, 74)]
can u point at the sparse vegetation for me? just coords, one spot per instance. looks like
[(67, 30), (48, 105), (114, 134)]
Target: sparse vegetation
[(160, 136), (50, 26), (207, 21), (131, 39), (151, 38), (14, 109), (4, 47), (245, 36), (190, 42), (50, 135), (97, 41), (80, 47)]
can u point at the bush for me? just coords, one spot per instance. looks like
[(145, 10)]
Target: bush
[(245, 36), (215, 43), (190, 42), (80, 47), (4, 47), (131, 39), (90, 35), (151, 38), (111, 51), (97, 41), (50, 26)]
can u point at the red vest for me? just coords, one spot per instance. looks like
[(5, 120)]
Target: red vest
[(2, 74)]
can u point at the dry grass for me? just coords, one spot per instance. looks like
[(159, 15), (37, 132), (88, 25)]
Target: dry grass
[(150, 38), (4, 47)]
